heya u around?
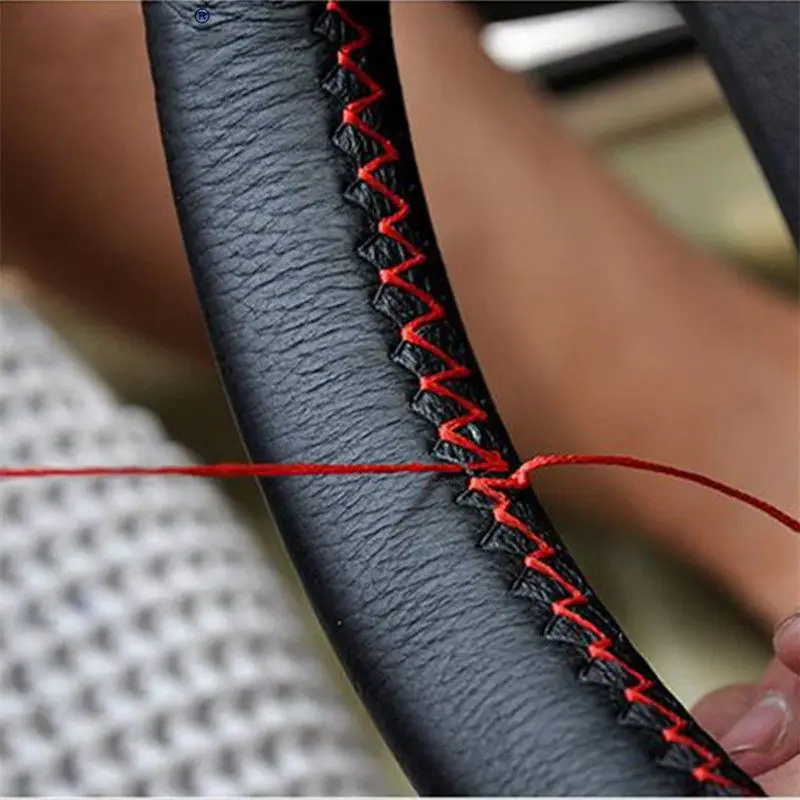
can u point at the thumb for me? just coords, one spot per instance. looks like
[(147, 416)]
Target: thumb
[(759, 724), (721, 709)]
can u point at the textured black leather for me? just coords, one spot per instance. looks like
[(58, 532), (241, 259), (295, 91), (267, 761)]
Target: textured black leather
[(478, 689)]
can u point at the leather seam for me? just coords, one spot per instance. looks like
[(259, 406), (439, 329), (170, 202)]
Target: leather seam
[(496, 489)]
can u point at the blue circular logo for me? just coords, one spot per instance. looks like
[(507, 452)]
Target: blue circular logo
[(202, 15)]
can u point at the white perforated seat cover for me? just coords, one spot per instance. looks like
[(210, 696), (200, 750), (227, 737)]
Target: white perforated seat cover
[(146, 645)]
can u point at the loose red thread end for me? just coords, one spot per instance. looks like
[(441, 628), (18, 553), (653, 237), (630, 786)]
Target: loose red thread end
[(234, 470), (485, 484), (643, 465)]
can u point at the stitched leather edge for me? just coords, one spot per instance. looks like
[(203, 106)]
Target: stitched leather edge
[(464, 437)]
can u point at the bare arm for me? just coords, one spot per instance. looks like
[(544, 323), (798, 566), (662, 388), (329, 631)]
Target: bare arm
[(598, 329), (87, 208)]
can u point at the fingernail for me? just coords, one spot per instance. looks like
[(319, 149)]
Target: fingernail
[(762, 729), (787, 633)]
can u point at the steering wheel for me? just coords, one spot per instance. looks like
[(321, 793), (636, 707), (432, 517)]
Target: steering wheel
[(481, 651)]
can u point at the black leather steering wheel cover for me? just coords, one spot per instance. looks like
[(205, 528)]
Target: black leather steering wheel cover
[(479, 690)]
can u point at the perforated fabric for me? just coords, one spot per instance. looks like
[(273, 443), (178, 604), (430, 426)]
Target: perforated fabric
[(146, 647)]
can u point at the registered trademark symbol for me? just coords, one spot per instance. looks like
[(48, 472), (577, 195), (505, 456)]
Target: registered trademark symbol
[(202, 15)]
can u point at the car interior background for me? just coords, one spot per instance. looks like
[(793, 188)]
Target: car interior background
[(628, 78)]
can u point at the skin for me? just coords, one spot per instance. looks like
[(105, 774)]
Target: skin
[(87, 207), (594, 305), (707, 380)]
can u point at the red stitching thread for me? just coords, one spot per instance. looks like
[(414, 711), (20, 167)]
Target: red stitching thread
[(262, 470), (266, 470), (494, 488), (487, 459)]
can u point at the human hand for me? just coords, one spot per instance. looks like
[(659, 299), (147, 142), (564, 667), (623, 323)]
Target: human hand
[(759, 724)]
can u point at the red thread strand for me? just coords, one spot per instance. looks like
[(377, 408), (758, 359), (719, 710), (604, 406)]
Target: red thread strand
[(644, 465), (226, 470), (487, 485)]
